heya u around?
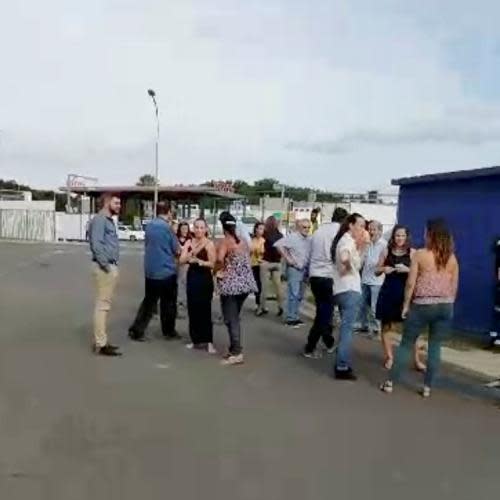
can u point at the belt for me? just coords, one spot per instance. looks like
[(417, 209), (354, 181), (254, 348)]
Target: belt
[(110, 262)]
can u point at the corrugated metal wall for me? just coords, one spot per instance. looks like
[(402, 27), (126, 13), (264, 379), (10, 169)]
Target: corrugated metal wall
[(33, 225), (472, 209)]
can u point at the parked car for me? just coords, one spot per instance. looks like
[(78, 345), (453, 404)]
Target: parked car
[(248, 222), (129, 234)]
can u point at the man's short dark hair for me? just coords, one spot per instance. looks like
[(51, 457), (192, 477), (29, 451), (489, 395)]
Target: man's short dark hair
[(340, 215), (163, 208), (105, 197)]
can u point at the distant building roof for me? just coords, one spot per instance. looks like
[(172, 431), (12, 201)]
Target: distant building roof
[(176, 193), (448, 176)]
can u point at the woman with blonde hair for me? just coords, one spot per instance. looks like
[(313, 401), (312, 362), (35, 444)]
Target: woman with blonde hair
[(199, 255)]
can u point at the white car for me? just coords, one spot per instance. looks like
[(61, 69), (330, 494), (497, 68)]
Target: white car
[(129, 234)]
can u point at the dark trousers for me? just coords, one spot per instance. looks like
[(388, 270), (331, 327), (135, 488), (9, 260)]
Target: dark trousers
[(322, 289), (200, 290), (231, 310), (256, 275), (165, 291)]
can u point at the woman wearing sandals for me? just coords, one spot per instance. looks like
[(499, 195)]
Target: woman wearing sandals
[(395, 263), (235, 282), (429, 297), (199, 255)]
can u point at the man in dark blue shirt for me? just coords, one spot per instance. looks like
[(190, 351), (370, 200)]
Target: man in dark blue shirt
[(160, 269)]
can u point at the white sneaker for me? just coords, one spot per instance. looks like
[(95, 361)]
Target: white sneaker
[(493, 384), (232, 359), (426, 392), (190, 346), (211, 349), (312, 355), (387, 387)]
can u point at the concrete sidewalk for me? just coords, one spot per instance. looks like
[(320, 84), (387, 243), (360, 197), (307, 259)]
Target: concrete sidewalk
[(478, 362)]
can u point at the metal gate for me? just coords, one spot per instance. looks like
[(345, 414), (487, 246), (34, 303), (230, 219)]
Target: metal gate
[(32, 225)]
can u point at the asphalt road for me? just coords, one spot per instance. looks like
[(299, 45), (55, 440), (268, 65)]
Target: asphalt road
[(164, 422)]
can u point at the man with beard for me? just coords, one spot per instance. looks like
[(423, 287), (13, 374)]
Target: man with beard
[(104, 246)]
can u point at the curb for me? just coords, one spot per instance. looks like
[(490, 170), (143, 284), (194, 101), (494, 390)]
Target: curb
[(308, 312)]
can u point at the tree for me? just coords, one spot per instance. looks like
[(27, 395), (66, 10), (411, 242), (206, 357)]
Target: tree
[(146, 180)]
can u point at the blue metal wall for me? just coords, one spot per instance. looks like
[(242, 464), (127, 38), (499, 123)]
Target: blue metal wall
[(472, 209)]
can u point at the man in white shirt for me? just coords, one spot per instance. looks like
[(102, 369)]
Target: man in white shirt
[(371, 283), (321, 282)]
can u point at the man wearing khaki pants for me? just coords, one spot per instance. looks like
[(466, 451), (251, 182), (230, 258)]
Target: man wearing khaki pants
[(105, 255)]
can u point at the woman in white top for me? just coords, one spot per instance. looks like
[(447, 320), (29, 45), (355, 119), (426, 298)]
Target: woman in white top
[(347, 252)]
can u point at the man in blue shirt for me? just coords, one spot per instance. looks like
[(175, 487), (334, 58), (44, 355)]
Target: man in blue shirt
[(160, 269), (105, 254)]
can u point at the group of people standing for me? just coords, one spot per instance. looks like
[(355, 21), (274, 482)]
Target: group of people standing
[(347, 263), (185, 268), (376, 286), (382, 284)]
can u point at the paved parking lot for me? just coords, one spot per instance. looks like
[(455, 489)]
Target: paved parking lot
[(164, 422)]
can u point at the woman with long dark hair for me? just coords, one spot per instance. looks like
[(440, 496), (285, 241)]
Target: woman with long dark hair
[(430, 293), (183, 237), (271, 266), (199, 256), (395, 264), (256, 257), (235, 282), (347, 250)]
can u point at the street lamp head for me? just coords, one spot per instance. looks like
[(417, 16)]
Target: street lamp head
[(151, 92)]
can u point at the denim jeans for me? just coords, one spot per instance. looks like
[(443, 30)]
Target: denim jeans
[(231, 310), (322, 289), (368, 308), (438, 319), (348, 303), (295, 282)]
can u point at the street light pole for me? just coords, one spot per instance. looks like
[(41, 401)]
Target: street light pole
[(152, 94)]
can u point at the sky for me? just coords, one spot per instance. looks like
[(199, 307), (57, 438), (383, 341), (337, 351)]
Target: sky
[(333, 94)]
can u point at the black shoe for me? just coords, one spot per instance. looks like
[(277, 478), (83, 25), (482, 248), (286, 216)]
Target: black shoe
[(95, 349), (175, 336), (137, 338), (261, 312), (107, 350), (299, 322), (345, 375), (293, 324), (280, 312)]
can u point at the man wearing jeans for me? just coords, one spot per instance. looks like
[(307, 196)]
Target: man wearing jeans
[(295, 249), (370, 282), (105, 255), (160, 269), (321, 282)]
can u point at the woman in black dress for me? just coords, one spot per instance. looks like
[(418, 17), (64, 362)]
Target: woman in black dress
[(199, 253), (395, 263)]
